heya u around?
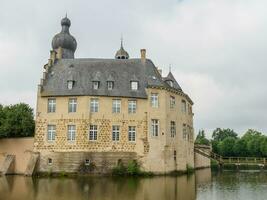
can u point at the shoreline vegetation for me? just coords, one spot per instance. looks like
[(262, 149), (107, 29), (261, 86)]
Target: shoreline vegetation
[(227, 143)]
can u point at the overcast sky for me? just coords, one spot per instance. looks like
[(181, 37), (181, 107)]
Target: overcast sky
[(217, 49)]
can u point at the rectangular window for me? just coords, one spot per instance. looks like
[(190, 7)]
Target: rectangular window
[(134, 85), (110, 85), (51, 133), (184, 132), (70, 84), (154, 127), (93, 133), (71, 132), (132, 106), (154, 100), (51, 105), (173, 129), (72, 105), (183, 108), (116, 106), (96, 85), (131, 134), (172, 101), (94, 105), (115, 133)]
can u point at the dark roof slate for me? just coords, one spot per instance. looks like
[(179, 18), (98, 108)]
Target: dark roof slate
[(170, 77), (85, 71)]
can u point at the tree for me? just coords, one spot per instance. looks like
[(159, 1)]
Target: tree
[(201, 138), (220, 134), (240, 148), (16, 121), (226, 147)]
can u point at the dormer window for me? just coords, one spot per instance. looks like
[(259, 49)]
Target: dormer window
[(134, 85), (110, 85), (70, 85), (96, 85), (170, 83)]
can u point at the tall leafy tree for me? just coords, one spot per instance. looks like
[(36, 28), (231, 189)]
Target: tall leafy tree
[(16, 121), (201, 138)]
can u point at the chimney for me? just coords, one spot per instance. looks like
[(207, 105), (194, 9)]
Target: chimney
[(143, 54), (53, 56), (59, 53)]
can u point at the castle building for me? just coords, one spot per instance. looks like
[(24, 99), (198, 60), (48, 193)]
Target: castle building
[(100, 112)]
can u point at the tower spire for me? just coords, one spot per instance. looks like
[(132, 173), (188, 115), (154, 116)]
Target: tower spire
[(121, 41)]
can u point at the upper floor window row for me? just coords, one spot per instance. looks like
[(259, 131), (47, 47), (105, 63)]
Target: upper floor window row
[(110, 85)]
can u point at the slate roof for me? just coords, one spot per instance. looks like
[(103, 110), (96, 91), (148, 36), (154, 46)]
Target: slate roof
[(84, 71), (170, 77)]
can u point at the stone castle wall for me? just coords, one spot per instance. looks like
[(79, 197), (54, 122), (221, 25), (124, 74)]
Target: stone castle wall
[(153, 153), (21, 148)]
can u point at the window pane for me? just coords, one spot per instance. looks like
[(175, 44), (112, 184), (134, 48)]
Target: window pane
[(51, 105), (95, 85), (51, 132), (72, 105), (154, 100), (93, 132), (94, 105), (110, 85), (131, 134), (115, 133), (134, 85), (116, 106), (155, 127), (132, 106), (71, 132)]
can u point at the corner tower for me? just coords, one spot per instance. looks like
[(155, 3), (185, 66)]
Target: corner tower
[(64, 43)]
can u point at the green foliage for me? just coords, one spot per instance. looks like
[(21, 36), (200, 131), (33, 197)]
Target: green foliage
[(119, 170), (189, 169), (226, 147), (133, 168), (226, 143), (220, 134), (16, 121), (201, 138)]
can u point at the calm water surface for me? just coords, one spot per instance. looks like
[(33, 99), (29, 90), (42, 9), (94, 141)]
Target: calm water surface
[(203, 185)]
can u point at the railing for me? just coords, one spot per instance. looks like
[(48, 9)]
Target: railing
[(204, 151)]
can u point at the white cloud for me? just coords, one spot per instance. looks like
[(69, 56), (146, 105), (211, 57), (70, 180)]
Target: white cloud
[(217, 49)]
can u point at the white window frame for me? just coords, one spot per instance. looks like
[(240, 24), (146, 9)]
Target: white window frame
[(154, 99), (72, 105), (115, 133), (172, 101), (131, 133), (154, 127), (132, 105), (70, 85), (94, 105), (173, 128), (51, 105), (170, 83), (93, 133), (134, 85), (110, 85), (96, 85), (71, 133), (116, 106), (51, 133)]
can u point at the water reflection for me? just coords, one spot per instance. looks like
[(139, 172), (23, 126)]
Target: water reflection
[(202, 185), (98, 188)]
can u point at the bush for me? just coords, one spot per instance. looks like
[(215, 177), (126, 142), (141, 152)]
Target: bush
[(133, 168)]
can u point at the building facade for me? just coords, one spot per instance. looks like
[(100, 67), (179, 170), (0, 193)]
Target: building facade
[(99, 112)]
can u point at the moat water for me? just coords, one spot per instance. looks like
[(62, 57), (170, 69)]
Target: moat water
[(203, 185)]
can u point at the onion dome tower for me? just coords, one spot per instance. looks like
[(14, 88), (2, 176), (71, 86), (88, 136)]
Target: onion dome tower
[(121, 53), (64, 43)]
